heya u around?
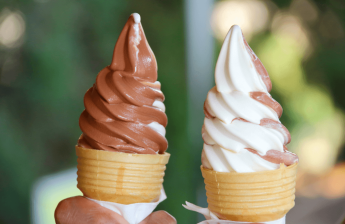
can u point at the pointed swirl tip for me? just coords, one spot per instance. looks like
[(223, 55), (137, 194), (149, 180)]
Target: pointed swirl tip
[(136, 17)]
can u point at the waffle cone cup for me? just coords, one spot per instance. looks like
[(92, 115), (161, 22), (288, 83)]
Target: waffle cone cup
[(251, 197), (120, 177)]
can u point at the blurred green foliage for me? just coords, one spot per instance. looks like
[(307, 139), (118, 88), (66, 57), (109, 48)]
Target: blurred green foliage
[(66, 44)]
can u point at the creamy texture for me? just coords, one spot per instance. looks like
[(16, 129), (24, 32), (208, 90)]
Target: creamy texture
[(241, 130), (124, 109)]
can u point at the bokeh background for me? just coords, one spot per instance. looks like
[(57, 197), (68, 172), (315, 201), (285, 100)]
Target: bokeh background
[(52, 50)]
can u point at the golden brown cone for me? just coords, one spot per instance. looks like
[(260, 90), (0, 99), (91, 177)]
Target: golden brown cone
[(120, 177), (251, 197)]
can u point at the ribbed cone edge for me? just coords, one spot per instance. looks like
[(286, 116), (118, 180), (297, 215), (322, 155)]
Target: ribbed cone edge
[(251, 197), (120, 177)]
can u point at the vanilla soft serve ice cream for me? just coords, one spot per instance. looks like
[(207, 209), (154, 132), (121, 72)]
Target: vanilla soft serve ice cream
[(241, 130)]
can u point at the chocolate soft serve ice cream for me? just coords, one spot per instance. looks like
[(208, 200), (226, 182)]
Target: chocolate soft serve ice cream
[(124, 109), (242, 131), (121, 153)]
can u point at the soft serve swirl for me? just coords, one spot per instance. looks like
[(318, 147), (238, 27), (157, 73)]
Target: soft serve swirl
[(124, 109), (242, 131)]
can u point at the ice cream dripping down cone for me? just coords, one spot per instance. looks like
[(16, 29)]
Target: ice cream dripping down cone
[(251, 197), (118, 177)]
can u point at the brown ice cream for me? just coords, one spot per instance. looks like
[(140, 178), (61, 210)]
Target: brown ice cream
[(273, 156), (119, 106)]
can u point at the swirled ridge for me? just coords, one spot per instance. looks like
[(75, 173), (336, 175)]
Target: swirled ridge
[(124, 109), (241, 130)]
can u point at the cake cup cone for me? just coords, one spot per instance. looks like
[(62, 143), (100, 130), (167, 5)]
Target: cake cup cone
[(251, 197), (120, 177)]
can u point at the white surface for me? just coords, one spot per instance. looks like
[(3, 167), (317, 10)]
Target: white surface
[(136, 17), (133, 213), (159, 105), (226, 139), (157, 127), (235, 70), (213, 219)]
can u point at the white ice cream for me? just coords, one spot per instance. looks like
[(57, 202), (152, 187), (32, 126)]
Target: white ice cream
[(226, 139)]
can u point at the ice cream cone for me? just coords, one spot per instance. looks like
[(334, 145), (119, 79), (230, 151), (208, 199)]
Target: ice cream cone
[(120, 177), (251, 197)]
